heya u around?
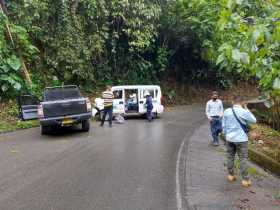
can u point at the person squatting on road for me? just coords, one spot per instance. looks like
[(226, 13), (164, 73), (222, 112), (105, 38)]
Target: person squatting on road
[(235, 128), (149, 106), (214, 112), (108, 97)]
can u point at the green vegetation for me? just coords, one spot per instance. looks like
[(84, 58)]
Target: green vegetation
[(8, 126), (277, 196), (9, 118), (87, 42), (253, 172), (266, 140), (96, 42)]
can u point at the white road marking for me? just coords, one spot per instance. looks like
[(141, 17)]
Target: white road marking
[(178, 187)]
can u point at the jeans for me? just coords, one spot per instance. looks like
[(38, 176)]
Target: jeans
[(242, 151), (109, 111), (216, 128), (149, 115)]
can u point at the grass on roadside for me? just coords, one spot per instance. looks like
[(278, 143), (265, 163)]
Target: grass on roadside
[(253, 172), (9, 120), (266, 140), (12, 126)]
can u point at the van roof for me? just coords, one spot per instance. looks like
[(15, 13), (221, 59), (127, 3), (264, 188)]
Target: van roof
[(135, 86)]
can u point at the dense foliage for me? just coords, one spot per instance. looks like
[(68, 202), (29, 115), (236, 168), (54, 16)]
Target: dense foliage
[(14, 46), (94, 42), (240, 37), (87, 42)]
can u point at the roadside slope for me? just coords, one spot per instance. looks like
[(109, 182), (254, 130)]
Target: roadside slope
[(208, 188)]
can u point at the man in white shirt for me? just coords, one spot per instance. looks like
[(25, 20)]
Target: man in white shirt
[(214, 112)]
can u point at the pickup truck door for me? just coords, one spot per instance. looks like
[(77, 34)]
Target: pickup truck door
[(28, 107)]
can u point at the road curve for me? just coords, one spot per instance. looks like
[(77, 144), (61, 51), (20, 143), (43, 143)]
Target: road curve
[(127, 167)]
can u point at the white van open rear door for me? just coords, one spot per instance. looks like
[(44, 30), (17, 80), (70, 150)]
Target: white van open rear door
[(118, 102), (142, 101)]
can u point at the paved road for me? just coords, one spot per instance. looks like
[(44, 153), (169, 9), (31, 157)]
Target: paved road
[(127, 167)]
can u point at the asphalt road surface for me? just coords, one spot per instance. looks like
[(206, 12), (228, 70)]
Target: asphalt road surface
[(133, 166)]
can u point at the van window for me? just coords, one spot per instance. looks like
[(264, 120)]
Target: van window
[(118, 94), (152, 93)]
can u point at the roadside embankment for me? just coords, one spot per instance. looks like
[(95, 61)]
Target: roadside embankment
[(264, 148), (206, 179)]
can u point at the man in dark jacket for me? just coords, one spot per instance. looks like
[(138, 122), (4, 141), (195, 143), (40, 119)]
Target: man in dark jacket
[(149, 106)]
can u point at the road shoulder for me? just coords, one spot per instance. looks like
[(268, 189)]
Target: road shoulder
[(206, 184)]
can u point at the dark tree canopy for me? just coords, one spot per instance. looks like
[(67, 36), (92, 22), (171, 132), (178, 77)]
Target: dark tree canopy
[(95, 42)]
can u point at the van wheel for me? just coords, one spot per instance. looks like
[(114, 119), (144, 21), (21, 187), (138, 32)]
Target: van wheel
[(45, 130), (85, 125)]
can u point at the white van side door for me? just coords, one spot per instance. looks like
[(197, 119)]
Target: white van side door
[(142, 101), (118, 102)]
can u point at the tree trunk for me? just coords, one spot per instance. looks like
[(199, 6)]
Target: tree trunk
[(74, 5), (3, 5)]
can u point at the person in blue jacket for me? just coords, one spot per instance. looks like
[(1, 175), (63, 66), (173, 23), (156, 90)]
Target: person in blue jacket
[(235, 128), (149, 106)]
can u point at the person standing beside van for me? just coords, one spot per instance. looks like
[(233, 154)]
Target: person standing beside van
[(149, 106), (108, 98), (214, 112), (235, 129)]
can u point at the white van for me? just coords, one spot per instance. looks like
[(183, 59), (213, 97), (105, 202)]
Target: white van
[(130, 100)]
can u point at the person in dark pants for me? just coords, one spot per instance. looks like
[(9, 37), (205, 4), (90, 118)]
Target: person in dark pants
[(108, 97), (149, 106), (235, 129), (216, 129), (214, 112)]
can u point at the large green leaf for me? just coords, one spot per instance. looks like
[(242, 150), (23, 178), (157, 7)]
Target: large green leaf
[(14, 63), (4, 87), (220, 59), (5, 68), (240, 57), (17, 86), (276, 83), (245, 58)]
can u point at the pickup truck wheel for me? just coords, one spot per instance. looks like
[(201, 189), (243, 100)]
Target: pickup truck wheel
[(85, 125), (45, 130)]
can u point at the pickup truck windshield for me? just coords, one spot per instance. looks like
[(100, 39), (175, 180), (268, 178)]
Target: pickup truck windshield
[(53, 94)]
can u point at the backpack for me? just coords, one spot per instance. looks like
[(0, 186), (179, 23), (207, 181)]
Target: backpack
[(244, 127)]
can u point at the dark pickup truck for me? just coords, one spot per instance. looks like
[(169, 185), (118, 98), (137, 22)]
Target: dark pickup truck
[(61, 106)]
